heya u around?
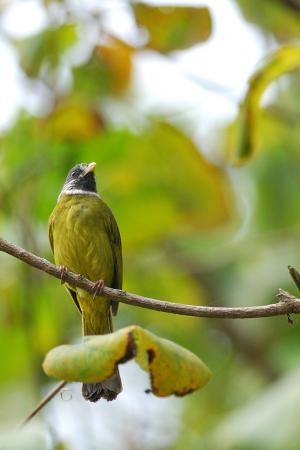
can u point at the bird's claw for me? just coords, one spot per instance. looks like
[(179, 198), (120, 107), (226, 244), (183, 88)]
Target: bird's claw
[(63, 270), (98, 288)]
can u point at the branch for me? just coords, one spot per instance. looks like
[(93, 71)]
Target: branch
[(295, 276), (43, 402), (287, 303)]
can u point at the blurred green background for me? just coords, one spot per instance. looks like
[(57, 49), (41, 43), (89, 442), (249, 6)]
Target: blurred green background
[(195, 229)]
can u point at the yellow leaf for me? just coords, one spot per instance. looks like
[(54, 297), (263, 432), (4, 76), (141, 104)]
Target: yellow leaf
[(284, 60), (173, 28), (173, 369), (73, 120), (117, 57)]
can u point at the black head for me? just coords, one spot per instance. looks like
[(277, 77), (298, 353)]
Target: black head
[(81, 177)]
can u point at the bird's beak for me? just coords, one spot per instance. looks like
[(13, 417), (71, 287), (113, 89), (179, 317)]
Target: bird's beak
[(90, 168)]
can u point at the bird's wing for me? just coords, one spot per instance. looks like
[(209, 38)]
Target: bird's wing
[(116, 246), (50, 232), (51, 240)]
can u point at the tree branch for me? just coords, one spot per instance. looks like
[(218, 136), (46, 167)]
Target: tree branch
[(44, 402), (295, 276), (287, 303)]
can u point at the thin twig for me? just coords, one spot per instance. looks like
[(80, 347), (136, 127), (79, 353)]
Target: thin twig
[(287, 303), (295, 275), (43, 402)]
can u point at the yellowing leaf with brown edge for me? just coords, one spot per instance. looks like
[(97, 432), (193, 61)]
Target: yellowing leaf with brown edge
[(173, 28), (72, 119), (172, 368), (284, 60)]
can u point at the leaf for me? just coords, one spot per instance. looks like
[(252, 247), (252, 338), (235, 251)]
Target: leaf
[(47, 47), (280, 17), (173, 369), (71, 119), (276, 175), (108, 70), (195, 186), (173, 28), (179, 188), (284, 60)]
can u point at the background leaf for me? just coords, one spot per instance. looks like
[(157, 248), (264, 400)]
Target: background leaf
[(173, 28), (46, 48), (280, 62), (270, 16), (71, 119), (107, 71)]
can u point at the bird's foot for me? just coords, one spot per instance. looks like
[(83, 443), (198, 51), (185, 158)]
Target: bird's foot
[(63, 270), (98, 288)]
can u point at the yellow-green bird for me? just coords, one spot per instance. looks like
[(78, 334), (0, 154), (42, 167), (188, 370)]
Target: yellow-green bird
[(85, 239)]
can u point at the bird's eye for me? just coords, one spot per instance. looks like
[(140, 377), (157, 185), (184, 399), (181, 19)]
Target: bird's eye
[(73, 173)]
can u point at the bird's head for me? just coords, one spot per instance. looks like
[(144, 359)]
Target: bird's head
[(81, 178)]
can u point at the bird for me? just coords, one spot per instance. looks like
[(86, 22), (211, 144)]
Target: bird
[(85, 239)]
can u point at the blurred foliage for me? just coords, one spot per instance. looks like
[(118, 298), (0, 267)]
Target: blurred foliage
[(172, 368), (107, 71), (194, 230), (173, 28), (281, 18), (71, 119), (46, 50), (284, 60)]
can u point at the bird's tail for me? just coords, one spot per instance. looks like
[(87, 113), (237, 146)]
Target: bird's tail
[(107, 389)]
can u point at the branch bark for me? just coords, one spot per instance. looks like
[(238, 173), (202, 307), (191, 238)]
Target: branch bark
[(287, 303)]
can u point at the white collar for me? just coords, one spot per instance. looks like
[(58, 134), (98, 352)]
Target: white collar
[(76, 192)]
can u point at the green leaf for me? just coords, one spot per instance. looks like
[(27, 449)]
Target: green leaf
[(278, 17), (179, 188), (173, 369), (284, 60), (173, 28), (47, 47), (108, 71)]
